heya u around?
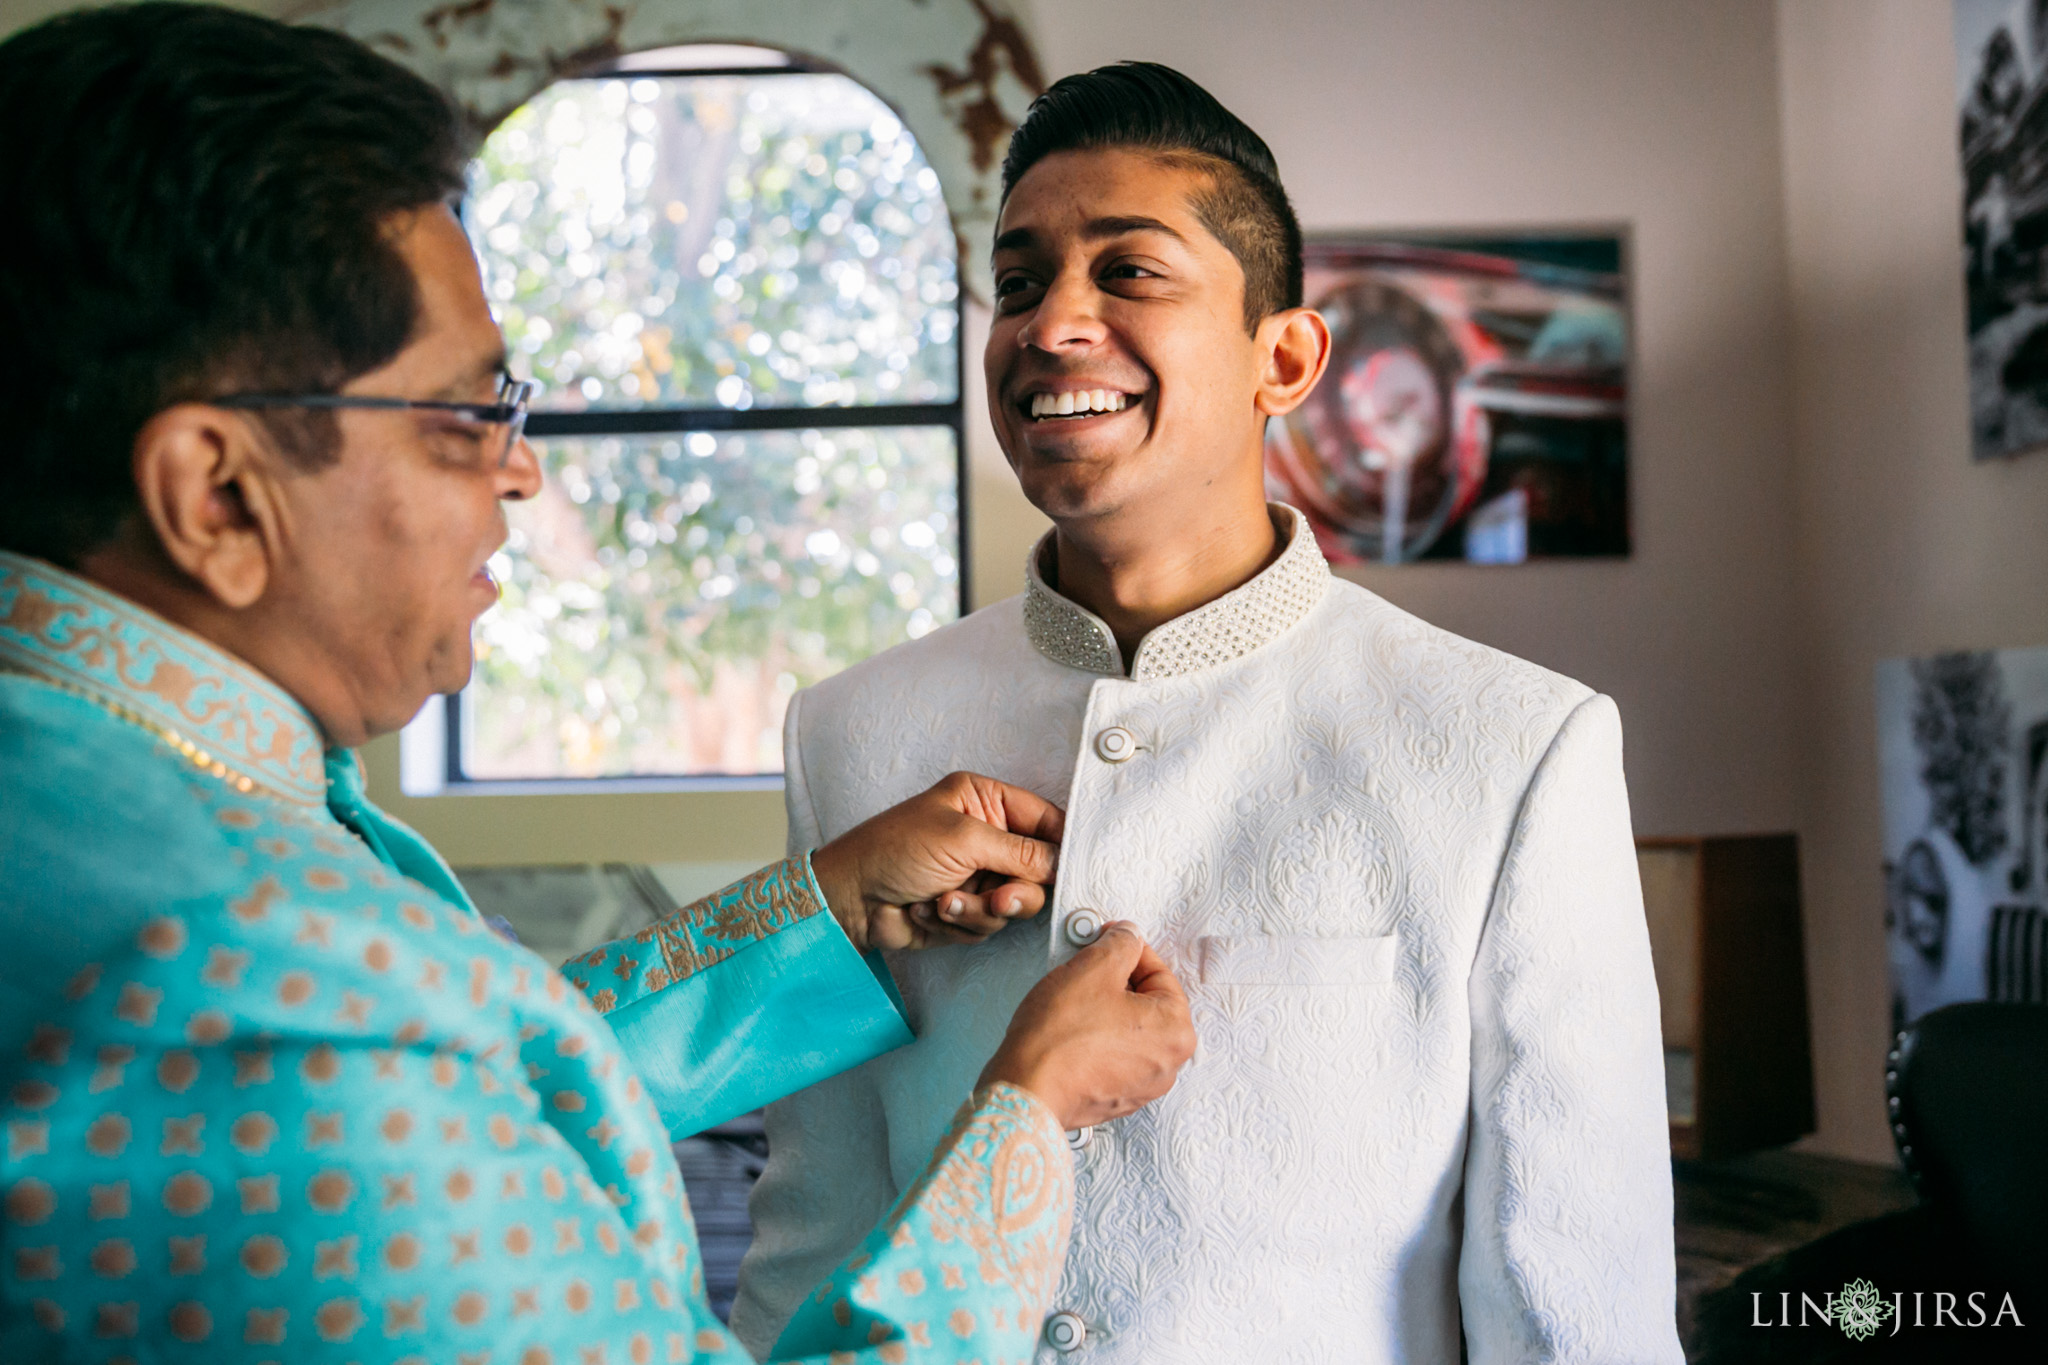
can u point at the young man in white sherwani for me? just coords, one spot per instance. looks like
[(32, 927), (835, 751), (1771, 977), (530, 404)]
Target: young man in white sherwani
[(1395, 865)]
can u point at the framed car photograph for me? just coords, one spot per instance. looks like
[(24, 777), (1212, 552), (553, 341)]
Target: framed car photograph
[(1476, 404)]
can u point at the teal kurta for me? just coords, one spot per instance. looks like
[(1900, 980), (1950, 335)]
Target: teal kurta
[(274, 1091)]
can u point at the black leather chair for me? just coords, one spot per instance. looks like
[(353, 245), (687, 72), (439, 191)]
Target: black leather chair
[(1967, 1089)]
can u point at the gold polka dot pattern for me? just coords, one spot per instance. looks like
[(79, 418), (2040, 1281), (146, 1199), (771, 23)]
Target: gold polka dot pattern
[(269, 1101)]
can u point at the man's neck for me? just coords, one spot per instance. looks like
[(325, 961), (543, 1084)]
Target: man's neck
[(1137, 577)]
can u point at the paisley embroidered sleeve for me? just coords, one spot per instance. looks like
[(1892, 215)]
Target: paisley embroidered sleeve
[(701, 934), (747, 995), (964, 1266)]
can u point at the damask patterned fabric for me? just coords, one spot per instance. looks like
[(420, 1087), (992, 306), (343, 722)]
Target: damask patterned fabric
[(1395, 870), (267, 1099)]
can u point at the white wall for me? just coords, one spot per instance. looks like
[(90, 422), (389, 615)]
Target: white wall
[(1905, 546)]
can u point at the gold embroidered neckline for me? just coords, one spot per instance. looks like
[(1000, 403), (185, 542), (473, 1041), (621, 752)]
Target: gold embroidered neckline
[(180, 744), (212, 709)]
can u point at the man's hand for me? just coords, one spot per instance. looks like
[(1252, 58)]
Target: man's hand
[(1105, 1033), (950, 866)]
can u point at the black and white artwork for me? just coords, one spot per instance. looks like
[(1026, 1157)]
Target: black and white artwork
[(2002, 108), (1963, 749)]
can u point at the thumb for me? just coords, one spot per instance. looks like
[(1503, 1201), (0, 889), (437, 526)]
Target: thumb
[(1151, 977), (1025, 811), (1017, 857), (1115, 955)]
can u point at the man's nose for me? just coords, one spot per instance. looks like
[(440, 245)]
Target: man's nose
[(1068, 316), (520, 477)]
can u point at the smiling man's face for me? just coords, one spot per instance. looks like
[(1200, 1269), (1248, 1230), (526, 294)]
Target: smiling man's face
[(1120, 373)]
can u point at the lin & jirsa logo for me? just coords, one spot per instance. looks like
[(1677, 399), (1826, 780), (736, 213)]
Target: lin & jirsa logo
[(1861, 1310)]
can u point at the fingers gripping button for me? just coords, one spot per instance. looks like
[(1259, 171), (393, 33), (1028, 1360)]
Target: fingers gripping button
[(1077, 1138), (1065, 1332), (1115, 744), (1083, 928)]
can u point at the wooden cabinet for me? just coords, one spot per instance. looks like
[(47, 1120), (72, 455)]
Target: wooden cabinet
[(1731, 971)]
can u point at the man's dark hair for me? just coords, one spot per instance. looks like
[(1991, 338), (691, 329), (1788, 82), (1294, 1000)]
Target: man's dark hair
[(1148, 107), (197, 202)]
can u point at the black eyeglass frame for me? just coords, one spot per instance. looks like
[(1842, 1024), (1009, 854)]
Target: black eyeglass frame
[(515, 397)]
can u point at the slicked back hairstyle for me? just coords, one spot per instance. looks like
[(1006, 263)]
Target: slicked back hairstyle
[(1152, 108), (197, 202)]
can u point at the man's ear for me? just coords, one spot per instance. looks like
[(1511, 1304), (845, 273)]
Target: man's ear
[(208, 488), (1294, 349)]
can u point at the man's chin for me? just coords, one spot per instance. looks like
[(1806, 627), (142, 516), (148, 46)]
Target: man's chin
[(450, 669), (1070, 492)]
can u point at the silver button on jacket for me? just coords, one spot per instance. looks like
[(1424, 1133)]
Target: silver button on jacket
[(1083, 928), (1115, 744), (1065, 1332)]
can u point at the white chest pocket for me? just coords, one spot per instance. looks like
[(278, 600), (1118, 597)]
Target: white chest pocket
[(1295, 960)]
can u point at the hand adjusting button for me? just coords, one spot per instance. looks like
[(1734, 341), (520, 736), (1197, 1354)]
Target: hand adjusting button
[(1065, 1332), (1077, 1138), (1115, 744), (1083, 928)]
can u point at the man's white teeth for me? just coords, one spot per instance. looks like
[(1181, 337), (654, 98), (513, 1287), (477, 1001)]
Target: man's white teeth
[(1076, 401)]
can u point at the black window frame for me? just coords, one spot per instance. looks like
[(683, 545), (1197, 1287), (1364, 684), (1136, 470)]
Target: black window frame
[(680, 421)]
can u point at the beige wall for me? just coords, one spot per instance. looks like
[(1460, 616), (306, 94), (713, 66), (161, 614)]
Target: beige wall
[(1905, 546)]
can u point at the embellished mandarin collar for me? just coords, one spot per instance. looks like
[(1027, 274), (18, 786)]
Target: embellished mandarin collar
[(220, 714), (1217, 633)]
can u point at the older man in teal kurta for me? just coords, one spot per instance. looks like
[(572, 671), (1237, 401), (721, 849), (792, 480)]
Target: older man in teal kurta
[(272, 1091), (275, 1092)]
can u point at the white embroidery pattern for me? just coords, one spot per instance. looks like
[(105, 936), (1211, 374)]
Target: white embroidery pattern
[(1229, 628), (1297, 1196)]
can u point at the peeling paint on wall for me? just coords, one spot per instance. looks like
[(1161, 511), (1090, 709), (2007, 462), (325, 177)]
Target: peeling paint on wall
[(960, 73), (974, 96)]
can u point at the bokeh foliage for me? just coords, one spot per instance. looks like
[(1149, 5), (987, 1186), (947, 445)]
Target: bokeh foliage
[(731, 241)]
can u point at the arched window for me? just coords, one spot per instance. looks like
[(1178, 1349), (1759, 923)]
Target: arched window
[(736, 282)]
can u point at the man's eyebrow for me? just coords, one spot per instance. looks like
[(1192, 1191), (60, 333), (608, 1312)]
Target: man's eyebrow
[(1023, 238), (1117, 227), (466, 386)]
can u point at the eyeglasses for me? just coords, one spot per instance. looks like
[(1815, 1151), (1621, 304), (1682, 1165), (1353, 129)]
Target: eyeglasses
[(500, 424)]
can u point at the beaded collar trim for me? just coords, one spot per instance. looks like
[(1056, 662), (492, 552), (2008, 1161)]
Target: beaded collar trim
[(1227, 629), (215, 711)]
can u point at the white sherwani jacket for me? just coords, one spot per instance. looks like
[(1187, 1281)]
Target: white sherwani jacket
[(1394, 869)]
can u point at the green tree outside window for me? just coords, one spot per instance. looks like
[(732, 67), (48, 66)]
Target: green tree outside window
[(749, 244)]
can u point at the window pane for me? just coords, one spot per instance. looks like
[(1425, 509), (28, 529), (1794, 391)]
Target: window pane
[(665, 595), (736, 241)]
